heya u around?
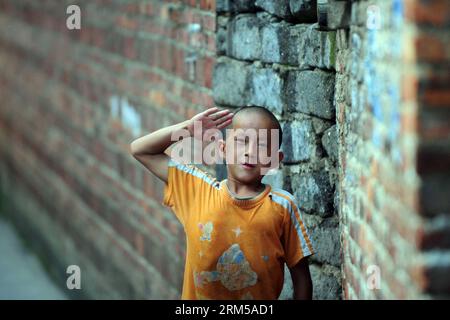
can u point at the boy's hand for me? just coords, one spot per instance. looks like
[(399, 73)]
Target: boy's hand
[(211, 118)]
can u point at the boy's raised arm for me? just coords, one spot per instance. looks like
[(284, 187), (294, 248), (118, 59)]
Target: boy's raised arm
[(150, 149)]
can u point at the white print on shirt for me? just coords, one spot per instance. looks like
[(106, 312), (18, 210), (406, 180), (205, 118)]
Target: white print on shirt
[(206, 228), (237, 231)]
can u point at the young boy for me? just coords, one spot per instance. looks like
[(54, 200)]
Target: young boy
[(239, 231)]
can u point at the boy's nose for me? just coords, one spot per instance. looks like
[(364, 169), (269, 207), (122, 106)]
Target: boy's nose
[(250, 151)]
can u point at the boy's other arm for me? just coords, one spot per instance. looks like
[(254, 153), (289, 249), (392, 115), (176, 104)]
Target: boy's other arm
[(150, 149), (301, 280)]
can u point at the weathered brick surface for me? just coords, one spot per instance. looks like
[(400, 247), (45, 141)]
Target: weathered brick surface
[(72, 102), (393, 211), (311, 92), (432, 87)]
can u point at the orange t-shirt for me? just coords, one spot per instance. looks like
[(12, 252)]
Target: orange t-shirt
[(236, 249)]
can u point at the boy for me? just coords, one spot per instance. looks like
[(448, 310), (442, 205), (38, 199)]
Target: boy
[(239, 231)]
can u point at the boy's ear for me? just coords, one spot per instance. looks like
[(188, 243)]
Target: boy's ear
[(280, 156)]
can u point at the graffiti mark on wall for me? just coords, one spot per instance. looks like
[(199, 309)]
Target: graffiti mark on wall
[(122, 109)]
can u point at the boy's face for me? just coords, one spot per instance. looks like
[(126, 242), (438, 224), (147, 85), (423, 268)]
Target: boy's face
[(249, 147)]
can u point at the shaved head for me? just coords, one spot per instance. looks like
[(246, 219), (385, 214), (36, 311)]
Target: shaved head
[(261, 111)]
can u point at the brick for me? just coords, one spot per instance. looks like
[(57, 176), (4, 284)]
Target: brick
[(208, 5), (234, 6), (244, 37), (327, 286), (304, 10), (266, 89), (433, 125), (436, 233), (337, 14), (326, 241), (318, 49), (434, 193), (299, 143), (330, 142), (436, 268), (432, 48), (230, 83), (279, 8), (314, 191), (281, 43), (433, 13), (311, 92), (436, 98)]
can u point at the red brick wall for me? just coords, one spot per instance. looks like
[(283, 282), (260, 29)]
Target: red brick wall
[(394, 151), (432, 87), (72, 100)]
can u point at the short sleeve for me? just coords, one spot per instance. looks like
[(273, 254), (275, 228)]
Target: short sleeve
[(296, 239), (185, 187)]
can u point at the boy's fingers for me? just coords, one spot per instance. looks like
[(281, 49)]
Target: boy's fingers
[(219, 114), (210, 111), (223, 118), (224, 124)]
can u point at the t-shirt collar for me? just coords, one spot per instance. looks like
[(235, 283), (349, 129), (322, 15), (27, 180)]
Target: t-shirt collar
[(246, 202)]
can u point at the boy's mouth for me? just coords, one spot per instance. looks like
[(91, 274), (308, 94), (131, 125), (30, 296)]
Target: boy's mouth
[(248, 165)]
